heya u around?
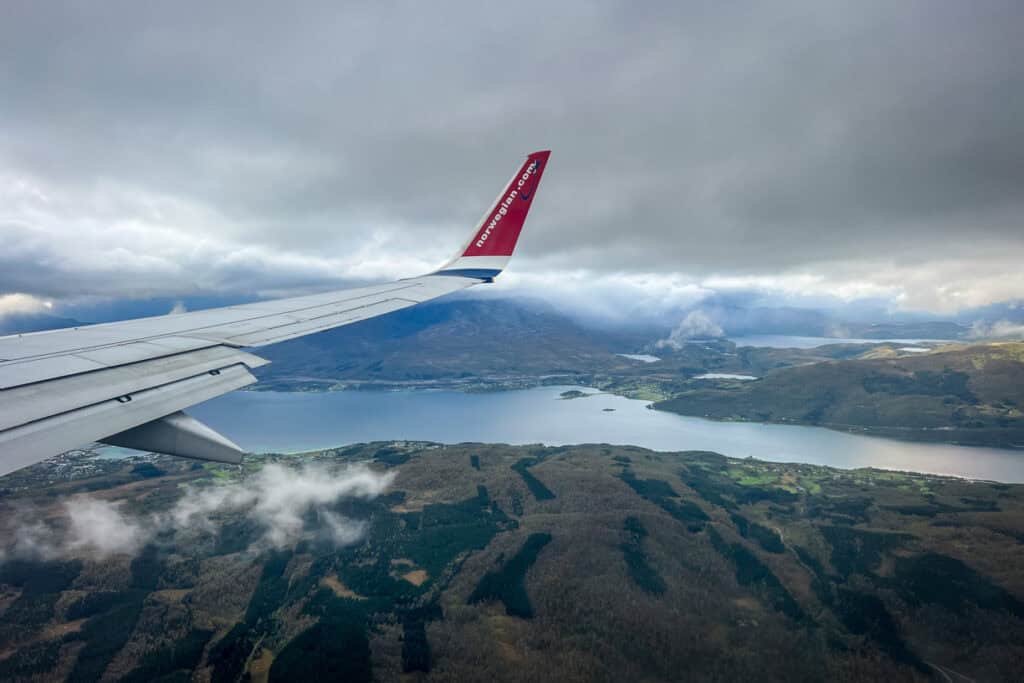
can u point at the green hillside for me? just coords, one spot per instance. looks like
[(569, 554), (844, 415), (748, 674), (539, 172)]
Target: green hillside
[(963, 394), (490, 562)]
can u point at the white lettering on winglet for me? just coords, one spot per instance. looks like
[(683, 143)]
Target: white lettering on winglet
[(505, 204)]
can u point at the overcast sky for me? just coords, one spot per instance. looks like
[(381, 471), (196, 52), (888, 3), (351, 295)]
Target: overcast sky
[(849, 150)]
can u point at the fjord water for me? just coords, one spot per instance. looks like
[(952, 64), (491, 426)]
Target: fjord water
[(294, 421)]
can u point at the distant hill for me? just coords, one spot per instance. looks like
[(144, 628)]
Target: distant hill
[(447, 340), (964, 394), (917, 330), (20, 323)]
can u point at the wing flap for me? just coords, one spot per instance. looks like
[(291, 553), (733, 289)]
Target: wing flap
[(40, 368), (37, 440), (32, 402)]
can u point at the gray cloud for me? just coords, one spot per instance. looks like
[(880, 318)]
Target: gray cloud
[(852, 147)]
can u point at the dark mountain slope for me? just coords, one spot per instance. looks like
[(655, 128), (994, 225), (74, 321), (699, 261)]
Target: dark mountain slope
[(449, 340)]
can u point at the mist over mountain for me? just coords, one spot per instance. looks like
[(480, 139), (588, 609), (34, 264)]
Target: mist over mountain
[(733, 314)]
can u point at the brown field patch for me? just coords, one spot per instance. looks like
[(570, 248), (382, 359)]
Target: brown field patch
[(259, 667), (747, 603), (60, 630), (339, 588), (171, 595), (416, 577)]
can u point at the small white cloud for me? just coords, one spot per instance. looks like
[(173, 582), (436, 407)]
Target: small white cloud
[(31, 539), (696, 325), (22, 303), (286, 495), (837, 331), (99, 528), (341, 530), (90, 527), (1001, 329)]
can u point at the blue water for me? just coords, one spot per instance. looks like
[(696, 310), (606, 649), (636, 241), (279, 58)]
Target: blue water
[(290, 422)]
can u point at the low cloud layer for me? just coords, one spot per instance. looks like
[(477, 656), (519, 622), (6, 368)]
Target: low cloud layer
[(280, 499)]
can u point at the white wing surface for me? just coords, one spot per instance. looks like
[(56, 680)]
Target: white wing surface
[(126, 383)]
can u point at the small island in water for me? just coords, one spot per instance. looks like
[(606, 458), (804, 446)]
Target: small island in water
[(573, 393)]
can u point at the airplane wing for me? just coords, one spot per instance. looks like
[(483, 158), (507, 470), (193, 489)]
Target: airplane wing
[(126, 383)]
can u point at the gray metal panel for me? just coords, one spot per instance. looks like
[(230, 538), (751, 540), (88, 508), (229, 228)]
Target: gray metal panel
[(16, 373), (37, 370), (176, 344), (35, 344), (136, 351), (24, 404), (39, 440)]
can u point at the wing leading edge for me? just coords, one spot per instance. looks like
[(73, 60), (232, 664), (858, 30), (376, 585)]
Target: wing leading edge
[(126, 383)]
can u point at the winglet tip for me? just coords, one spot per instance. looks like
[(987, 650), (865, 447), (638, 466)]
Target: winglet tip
[(497, 234)]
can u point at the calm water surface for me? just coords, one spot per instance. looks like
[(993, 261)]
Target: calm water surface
[(289, 422)]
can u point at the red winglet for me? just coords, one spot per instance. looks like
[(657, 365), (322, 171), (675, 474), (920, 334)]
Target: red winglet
[(499, 231)]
